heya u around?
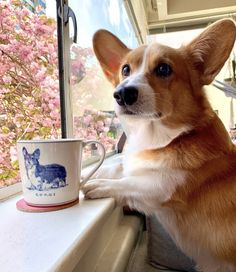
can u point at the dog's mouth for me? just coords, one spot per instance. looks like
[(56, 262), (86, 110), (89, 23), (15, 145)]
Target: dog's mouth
[(128, 112), (140, 114)]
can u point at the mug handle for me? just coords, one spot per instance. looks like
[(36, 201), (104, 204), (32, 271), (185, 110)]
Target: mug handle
[(86, 178)]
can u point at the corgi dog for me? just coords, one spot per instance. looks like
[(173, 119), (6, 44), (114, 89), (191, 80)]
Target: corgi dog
[(180, 163), (43, 177)]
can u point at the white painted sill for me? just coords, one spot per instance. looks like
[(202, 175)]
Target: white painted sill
[(72, 239)]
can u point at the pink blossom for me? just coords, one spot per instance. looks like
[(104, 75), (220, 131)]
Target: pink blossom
[(87, 119), (30, 129), (116, 121), (13, 153), (4, 91), (28, 71)]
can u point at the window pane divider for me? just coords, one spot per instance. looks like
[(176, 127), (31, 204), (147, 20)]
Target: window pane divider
[(64, 70)]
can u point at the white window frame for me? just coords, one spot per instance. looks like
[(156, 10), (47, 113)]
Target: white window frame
[(63, 35)]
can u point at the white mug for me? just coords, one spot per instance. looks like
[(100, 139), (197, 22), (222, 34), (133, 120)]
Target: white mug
[(50, 170)]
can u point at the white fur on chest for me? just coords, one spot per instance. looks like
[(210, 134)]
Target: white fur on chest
[(148, 134), (160, 179), (31, 174)]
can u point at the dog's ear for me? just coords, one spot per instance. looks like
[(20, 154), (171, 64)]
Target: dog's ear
[(109, 51), (24, 151), (209, 51), (36, 153)]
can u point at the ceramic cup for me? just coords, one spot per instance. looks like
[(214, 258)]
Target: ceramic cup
[(50, 170)]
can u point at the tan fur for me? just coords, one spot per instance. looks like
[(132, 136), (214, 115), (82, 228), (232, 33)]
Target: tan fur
[(198, 204)]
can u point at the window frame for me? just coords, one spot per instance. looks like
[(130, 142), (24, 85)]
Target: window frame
[(64, 89), (63, 36), (63, 45), (63, 42)]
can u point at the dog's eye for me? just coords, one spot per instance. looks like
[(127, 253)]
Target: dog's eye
[(125, 70), (163, 70)]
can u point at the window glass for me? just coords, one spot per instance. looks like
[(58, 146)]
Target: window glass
[(92, 98), (29, 92)]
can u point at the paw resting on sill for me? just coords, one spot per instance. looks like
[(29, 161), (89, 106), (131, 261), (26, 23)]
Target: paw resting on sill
[(98, 188), (100, 184)]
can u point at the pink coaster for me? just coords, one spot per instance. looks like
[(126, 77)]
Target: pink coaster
[(23, 206)]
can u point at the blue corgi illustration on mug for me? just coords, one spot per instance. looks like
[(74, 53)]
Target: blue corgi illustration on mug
[(43, 177)]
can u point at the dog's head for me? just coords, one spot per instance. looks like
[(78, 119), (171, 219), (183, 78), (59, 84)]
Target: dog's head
[(159, 82), (31, 159)]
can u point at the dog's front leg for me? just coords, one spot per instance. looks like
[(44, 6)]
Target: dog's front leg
[(112, 170), (142, 193)]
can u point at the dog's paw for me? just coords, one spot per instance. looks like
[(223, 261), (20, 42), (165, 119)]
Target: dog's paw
[(98, 188), (111, 171)]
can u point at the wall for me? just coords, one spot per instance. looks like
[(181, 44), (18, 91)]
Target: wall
[(221, 104), (136, 10)]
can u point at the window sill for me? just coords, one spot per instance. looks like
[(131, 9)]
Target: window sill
[(10, 191), (66, 240)]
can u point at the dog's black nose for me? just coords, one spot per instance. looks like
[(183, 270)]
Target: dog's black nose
[(126, 95)]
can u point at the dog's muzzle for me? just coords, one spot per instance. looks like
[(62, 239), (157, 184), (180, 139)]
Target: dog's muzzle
[(126, 95)]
